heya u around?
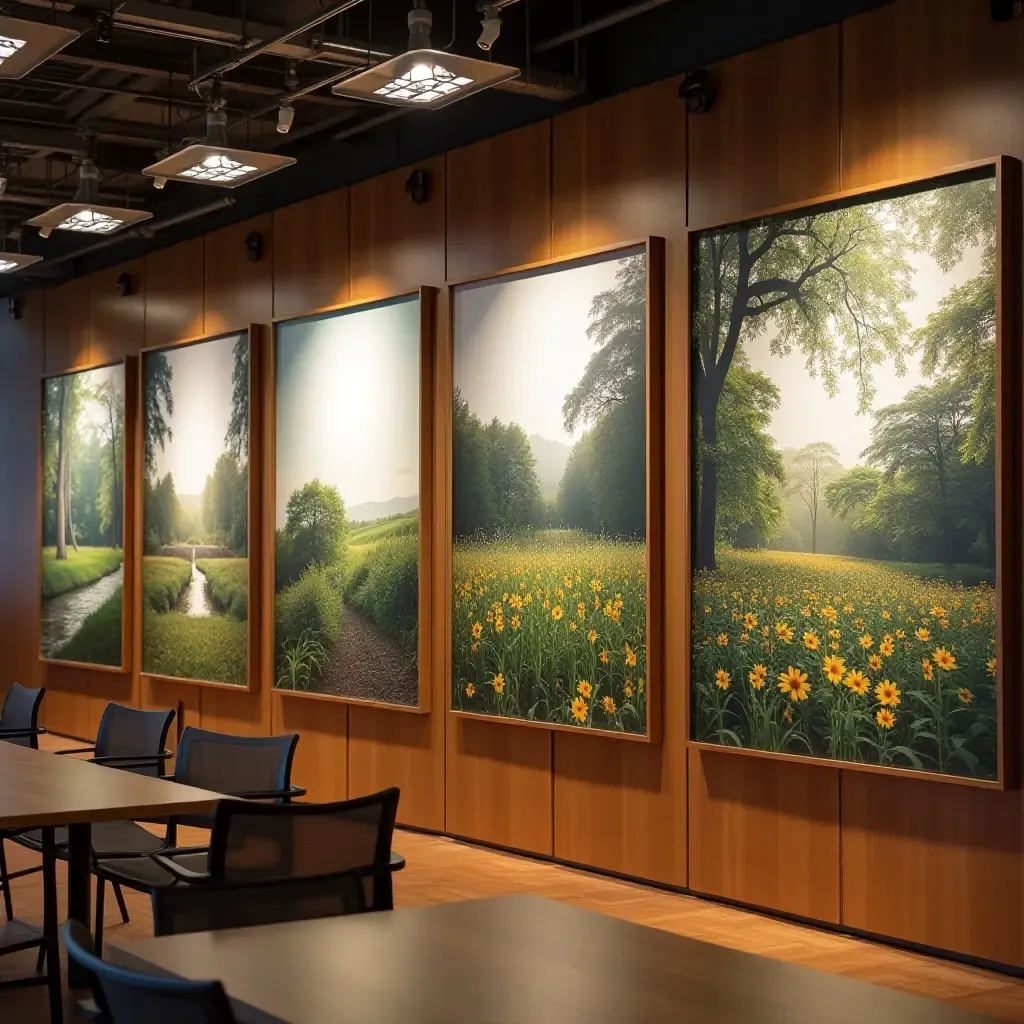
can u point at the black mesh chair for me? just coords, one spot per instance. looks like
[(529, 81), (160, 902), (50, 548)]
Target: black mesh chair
[(270, 863), (248, 767), (19, 717), (129, 997), (130, 740)]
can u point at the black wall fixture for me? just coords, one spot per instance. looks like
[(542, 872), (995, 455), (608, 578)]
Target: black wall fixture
[(14, 307), (253, 247), (417, 186), (697, 91), (125, 284), (1007, 10)]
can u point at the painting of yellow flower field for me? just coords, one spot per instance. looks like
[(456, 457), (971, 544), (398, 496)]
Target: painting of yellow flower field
[(845, 461), (549, 509)]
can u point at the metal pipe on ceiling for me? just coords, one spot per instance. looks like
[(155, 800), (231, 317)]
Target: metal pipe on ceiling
[(255, 49), (613, 18)]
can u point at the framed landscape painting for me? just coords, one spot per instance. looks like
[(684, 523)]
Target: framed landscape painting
[(198, 445), (556, 502), (83, 517), (855, 478), (352, 395)]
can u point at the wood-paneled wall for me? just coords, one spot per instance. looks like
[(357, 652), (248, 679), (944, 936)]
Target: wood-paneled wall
[(909, 88)]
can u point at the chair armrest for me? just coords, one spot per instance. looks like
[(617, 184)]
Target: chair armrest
[(76, 750), (271, 794), (180, 872), (135, 760), (10, 734)]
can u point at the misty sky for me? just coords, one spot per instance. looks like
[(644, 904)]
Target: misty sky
[(521, 345), (807, 414), (202, 389), (92, 414), (348, 404)]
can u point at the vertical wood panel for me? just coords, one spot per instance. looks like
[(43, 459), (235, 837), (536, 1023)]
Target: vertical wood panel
[(772, 136), (498, 783), (67, 326), (928, 84), (619, 174), (934, 864), (396, 247), (767, 836), (238, 293), (174, 293), (321, 758), (311, 242), (118, 322)]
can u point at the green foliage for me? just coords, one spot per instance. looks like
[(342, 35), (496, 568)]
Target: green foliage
[(384, 586), (472, 492), (163, 581), (228, 582), (81, 567), (225, 505), (211, 649), (315, 531), (301, 663), (311, 605), (237, 437), (98, 640), (394, 526), (158, 407), (160, 501)]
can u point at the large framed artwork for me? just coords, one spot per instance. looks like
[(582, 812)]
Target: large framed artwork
[(85, 517), (351, 389), (200, 451), (556, 494), (855, 486)]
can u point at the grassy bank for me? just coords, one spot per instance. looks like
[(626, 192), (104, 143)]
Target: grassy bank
[(212, 648), (84, 566), (228, 580), (98, 641), (163, 580)]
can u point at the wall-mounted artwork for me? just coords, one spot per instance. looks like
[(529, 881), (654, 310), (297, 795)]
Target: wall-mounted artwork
[(550, 510), (83, 517), (849, 462), (195, 504), (349, 509)]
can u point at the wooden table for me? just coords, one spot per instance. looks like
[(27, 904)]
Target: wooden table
[(42, 790), (511, 960)]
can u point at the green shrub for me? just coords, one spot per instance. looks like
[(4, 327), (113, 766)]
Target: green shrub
[(385, 587), (163, 581), (301, 659), (86, 565), (311, 606), (228, 580)]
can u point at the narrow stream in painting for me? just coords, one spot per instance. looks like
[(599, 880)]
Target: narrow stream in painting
[(195, 602), (63, 615)]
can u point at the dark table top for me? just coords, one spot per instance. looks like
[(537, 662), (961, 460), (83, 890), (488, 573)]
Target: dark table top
[(512, 960)]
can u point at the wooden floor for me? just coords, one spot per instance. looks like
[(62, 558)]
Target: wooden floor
[(442, 870)]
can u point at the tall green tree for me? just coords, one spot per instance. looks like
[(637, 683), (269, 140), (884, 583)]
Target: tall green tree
[(473, 505), (511, 468), (813, 466), (158, 400), (237, 437), (110, 502), (315, 530)]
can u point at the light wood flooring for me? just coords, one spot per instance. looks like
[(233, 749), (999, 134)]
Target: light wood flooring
[(443, 870)]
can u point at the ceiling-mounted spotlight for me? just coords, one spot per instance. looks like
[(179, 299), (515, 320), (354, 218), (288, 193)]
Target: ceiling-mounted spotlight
[(84, 215), (24, 45), (490, 29), (285, 117), (213, 161), (424, 77), (12, 261), (159, 182)]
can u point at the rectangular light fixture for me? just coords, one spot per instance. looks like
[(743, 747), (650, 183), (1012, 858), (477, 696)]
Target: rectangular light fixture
[(25, 45), (216, 165), (424, 78), (12, 261), (87, 218)]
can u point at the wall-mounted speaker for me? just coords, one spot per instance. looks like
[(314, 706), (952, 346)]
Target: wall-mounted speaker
[(14, 307), (125, 284), (697, 91), (253, 247), (417, 186)]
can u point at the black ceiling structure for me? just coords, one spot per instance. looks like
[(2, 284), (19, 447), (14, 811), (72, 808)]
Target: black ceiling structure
[(134, 86)]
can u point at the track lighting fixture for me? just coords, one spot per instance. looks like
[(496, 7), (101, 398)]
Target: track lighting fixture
[(213, 161), (84, 214), (490, 29), (424, 77), (24, 45), (159, 182), (285, 117)]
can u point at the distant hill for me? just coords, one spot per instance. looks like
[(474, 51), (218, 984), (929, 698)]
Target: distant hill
[(371, 510), (551, 457)]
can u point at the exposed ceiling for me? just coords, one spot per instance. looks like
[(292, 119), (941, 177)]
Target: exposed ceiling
[(133, 87)]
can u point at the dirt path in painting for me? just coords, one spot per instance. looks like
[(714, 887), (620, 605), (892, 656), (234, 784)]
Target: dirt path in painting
[(367, 663)]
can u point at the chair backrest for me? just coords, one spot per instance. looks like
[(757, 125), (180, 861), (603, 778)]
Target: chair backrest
[(131, 732), (21, 712), (234, 765), (178, 909), (129, 997)]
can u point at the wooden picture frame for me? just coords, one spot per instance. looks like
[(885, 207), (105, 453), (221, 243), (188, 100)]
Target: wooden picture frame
[(1006, 173), (427, 299), (256, 337), (654, 250), (128, 365)]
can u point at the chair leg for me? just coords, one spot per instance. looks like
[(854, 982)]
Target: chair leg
[(51, 940), (5, 883), (119, 896), (101, 887)]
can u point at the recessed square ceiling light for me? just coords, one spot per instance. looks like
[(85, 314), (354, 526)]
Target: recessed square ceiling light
[(24, 45), (87, 218), (12, 261), (425, 78), (216, 165)]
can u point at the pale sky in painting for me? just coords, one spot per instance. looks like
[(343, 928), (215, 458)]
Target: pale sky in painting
[(521, 345), (202, 389), (348, 404)]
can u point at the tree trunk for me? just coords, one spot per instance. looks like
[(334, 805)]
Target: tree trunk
[(71, 512), (62, 459), (114, 483), (708, 513), (814, 534)]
